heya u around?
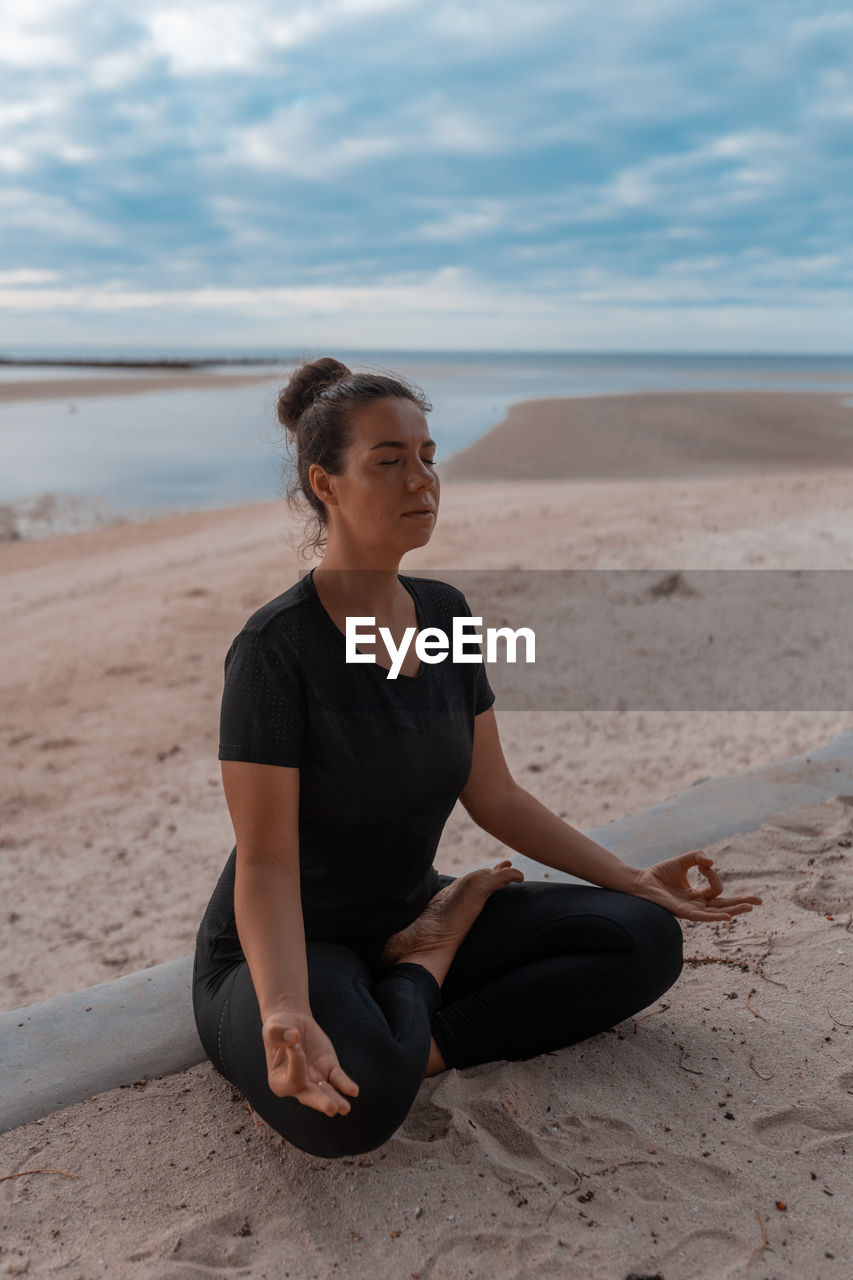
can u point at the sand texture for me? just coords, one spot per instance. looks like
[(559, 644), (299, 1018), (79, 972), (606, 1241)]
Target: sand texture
[(649, 435), (128, 384), (670, 1145), (661, 1146)]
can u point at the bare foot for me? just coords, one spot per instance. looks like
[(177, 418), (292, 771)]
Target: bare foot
[(433, 939)]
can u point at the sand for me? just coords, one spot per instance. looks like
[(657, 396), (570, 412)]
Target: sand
[(651, 435), (123, 384), (588, 1163)]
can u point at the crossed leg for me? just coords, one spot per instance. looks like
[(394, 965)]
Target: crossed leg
[(541, 967), (380, 1030), (545, 965)]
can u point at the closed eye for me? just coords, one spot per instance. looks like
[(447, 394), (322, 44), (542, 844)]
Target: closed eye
[(392, 462)]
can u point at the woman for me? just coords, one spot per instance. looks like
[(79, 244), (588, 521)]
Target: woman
[(334, 967)]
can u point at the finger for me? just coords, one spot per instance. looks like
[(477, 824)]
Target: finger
[(342, 1103), (698, 910), (691, 857), (297, 1067), (734, 902), (290, 1036), (706, 867), (315, 1098), (339, 1078), (701, 913), (327, 1073), (684, 861), (324, 1097)]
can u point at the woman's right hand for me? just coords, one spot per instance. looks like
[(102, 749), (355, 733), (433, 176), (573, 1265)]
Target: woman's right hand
[(301, 1063)]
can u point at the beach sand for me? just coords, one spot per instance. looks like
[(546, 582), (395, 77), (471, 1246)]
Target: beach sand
[(124, 384), (590, 1162)]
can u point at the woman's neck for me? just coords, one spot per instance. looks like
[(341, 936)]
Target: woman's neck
[(359, 592)]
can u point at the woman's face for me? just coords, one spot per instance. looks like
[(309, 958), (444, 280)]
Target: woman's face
[(386, 498)]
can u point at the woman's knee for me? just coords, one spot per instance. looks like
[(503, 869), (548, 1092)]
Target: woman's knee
[(388, 1075), (658, 936), (375, 1115)]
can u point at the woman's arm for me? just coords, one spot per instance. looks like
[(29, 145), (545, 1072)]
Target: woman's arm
[(512, 815), (263, 801)]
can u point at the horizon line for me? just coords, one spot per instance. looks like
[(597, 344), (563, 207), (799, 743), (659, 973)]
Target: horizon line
[(122, 356)]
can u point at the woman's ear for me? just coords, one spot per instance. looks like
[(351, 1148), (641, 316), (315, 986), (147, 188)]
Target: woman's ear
[(322, 484)]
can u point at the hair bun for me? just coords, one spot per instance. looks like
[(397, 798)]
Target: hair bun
[(305, 385)]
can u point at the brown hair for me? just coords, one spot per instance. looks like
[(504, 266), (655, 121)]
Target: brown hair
[(315, 408)]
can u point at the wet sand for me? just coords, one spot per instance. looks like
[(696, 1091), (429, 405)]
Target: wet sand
[(118, 384)]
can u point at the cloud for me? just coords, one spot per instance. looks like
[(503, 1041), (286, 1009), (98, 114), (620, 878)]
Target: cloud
[(750, 278), (316, 137), (455, 222), (39, 36), (651, 155), (208, 39), (198, 38), (448, 289), (308, 139), (449, 309), (53, 217), (832, 25), (24, 275)]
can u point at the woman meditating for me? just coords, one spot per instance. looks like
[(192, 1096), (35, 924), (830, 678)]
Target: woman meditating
[(334, 967)]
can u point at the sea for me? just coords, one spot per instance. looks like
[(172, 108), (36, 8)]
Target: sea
[(80, 461)]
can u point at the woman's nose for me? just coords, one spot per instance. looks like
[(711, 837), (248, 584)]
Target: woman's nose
[(422, 477)]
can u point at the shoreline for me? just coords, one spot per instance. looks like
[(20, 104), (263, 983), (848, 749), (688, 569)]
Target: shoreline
[(71, 362), (787, 494), (27, 390), (617, 438)]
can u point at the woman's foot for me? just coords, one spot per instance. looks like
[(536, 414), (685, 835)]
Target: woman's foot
[(433, 939)]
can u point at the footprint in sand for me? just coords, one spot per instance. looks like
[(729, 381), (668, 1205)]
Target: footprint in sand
[(825, 895), (694, 1179), (532, 1253), (821, 1120), (206, 1247), (426, 1122), (691, 1256)]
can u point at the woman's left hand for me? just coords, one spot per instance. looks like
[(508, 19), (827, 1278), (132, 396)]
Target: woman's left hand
[(666, 883)]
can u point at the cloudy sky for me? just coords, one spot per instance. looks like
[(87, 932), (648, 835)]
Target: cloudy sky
[(480, 174)]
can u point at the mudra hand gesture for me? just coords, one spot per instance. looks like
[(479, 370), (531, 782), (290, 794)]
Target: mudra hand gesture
[(301, 1063), (666, 883)]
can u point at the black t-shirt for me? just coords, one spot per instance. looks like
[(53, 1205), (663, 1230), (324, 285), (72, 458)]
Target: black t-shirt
[(381, 761)]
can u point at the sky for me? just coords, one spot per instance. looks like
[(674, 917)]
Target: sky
[(624, 175)]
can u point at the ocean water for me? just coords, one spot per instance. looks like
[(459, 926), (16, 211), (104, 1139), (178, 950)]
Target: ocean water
[(176, 450)]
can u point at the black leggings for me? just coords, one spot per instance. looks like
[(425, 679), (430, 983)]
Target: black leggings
[(543, 966)]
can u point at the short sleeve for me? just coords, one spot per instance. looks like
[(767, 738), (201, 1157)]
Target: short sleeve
[(484, 693), (262, 718)]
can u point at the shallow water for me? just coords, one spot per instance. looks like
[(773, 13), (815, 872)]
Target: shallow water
[(184, 449)]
